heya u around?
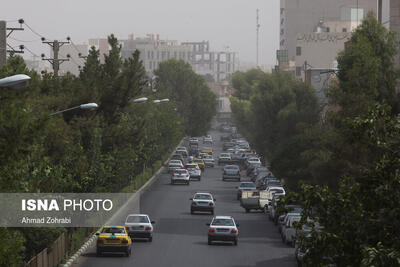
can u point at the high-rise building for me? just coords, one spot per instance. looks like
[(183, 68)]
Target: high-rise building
[(306, 16), (102, 45)]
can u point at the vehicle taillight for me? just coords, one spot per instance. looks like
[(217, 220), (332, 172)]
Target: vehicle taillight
[(211, 230), (148, 228), (100, 241), (234, 231), (194, 204), (124, 241)]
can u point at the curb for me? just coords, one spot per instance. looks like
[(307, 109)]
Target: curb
[(144, 187)]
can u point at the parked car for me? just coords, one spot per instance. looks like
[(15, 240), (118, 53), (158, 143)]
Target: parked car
[(223, 228), (202, 202), (284, 218), (180, 176), (289, 231), (139, 226), (245, 186), (209, 160), (174, 164), (293, 208), (231, 172), (194, 170), (224, 158), (113, 239)]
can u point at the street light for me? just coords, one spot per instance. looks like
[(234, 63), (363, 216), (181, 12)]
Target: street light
[(140, 100), (89, 106), (156, 101), (15, 81), (165, 100)]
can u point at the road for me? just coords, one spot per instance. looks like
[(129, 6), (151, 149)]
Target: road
[(180, 239)]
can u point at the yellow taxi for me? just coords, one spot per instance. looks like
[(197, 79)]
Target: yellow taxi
[(113, 239), (200, 162), (207, 150)]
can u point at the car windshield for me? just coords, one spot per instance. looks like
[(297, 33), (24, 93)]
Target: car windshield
[(191, 166), (231, 167), (137, 219), (202, 196), (247, 185), (175, 162), (222, 222), (113, 230)]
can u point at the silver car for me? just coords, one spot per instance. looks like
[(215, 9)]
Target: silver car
[(209, 160), (231, 172), (174, 164), (194, 170), (139, 226), (202, 202), (180, 175), (223, 228)]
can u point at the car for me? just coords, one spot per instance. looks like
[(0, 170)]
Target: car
[(184, 153), (283, 219), (252, 160), (194, 150), (209, 160), (202, 202), (224, 158), (194, 170), (251, 166), (178, 157), (194, 141), (276, 189), (289, 230), (225, 137), (243, 187), (174, 164), (231, 172), (227, 145), (113, 239), (200, 162), (208, 140), (139, 226), (180, 175), (223, 228), (294, 208), (207, 150)]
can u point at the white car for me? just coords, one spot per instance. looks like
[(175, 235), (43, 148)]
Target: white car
[(194, 170), (139, 226), (202, 202), (175, 164), (180, 176), (288, 230), (208, 140), (209, 160), (223, 228)]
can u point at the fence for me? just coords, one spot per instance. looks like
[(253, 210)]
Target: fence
[(52, 256)]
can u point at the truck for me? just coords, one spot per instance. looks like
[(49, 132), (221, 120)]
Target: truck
[(254, 200)]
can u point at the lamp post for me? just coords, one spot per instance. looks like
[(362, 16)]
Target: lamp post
[(16, 81), (88, 106), (140, 100)]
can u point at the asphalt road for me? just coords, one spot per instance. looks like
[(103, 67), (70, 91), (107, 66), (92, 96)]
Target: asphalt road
[(180, 239)]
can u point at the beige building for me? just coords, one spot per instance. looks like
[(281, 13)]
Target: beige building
[(75, 61), (102, 45), (304, 16)]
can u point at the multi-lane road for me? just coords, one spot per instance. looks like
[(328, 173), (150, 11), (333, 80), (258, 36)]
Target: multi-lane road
[(180, 239)]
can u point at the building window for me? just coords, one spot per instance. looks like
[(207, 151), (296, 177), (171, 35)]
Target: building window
[(298, 51), (298, 71), (282, 9), (344, 30), (328, 29), (282, 20), (282, 31)]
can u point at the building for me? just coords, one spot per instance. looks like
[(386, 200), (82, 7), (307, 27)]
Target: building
[(102, 45), (37, 64), (77, 54), (306, 16), (153, 51), (220, 65)]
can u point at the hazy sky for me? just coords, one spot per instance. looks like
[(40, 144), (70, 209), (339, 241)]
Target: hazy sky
[(222, 22)]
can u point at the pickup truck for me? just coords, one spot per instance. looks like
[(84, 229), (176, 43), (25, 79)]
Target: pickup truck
[(254, 200)]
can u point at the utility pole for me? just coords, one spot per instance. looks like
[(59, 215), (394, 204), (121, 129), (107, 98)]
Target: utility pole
[(3, 41), (55, 61), (305, 71), (258, 32)]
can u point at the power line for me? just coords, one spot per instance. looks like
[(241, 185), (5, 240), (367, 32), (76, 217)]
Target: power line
[(30, 51), (35, 32), (24, 41)]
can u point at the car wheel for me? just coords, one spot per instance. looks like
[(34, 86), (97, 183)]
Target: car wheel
[(151, 239), (209, 241), (235, 242), (187, 183), (128, 251)]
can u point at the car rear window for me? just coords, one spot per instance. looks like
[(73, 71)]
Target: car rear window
[(247, 185), (202, 196), (137, 219), (113, 230), (223, 222), (232, 167), (191, 166), (180, 171)]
